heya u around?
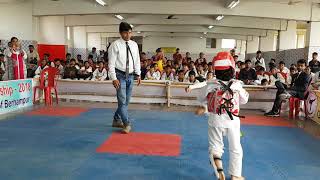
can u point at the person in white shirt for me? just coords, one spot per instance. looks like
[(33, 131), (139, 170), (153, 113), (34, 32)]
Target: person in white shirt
[(57, 64), (100, 74), (258, 60), (40, 68), (180, 77), (167, 74), (275, 76), (192, 78), (261, 75), (153, 74), (124, 64), (94, 54), (85, 72)]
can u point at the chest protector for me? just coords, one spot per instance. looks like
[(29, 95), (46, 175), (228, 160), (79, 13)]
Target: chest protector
[(223, 100)]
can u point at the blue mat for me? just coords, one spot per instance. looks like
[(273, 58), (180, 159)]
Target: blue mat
[(41, 147)]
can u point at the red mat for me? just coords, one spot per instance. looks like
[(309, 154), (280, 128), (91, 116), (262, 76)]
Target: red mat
[(142, 144), (259, 120), (58, 111)]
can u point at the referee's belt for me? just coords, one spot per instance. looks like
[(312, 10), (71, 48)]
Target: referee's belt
[(124, 73)]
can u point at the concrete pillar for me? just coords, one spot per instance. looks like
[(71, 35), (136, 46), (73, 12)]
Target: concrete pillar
[(312, 38), (52, 30), (267, 43), (288, 38), (253, 45), (94, 40)]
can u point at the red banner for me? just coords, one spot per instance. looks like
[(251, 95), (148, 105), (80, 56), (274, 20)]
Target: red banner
[(55, 51)]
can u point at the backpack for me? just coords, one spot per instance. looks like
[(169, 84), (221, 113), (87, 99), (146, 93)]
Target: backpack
[(223, 100)]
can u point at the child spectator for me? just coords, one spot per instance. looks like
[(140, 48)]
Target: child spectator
[(144, 69), (91, 63), (41, 68), (210, 76), (167, 74), (248, 75), (261, 75), (71, 71), (200, 72), (2, 67), (276, 76), (284, 70), (192, 78), (57, 64), (180, 77), (293, 71), (152, 74), (85, 71), (100, 74), (264, 82)]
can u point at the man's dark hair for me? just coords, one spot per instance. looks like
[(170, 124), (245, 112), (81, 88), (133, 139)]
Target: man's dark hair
[(168, 66), (1, 55), (235, 56), (79, 55), (180, 71), (31, 46), (272, 68), (57, 59), (143, 53), (259, 52), (293, 68), (72, 60), (261, 68), (192, 73), (210, 64), (158, 50), (13, 39), (302, 61), (124, 27), (264, 81), (315, 53), (282, 62), (177, 49), (90, 57), (242, 63), (247, 61), (225, 75)]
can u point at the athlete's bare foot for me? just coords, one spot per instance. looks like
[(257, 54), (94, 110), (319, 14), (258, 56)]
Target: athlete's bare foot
[(237, 178)]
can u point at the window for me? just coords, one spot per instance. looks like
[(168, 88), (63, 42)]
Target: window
[(228, 43), (211, 43), (300, 41)]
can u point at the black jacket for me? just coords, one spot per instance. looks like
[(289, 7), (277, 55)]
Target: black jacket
[(300, 82)]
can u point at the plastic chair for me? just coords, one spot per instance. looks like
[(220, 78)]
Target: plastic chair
[(48, 82)]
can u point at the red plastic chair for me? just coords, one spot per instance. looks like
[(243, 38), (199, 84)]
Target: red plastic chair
[(48, 82)]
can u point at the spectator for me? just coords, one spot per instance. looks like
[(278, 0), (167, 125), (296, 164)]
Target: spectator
[(264, 82), (258, 60), (68, 58), (200, 72), (152, 74), (180, 77), (2, 67), (298, 87), (177, 56), (210, 76), (79, 60), (100, 74), (236, 58), (248, 75), (18, 57), (187, 59), (57, 64), (167, 74), (144, 68), (261, 75), (293, 71), (43, 65), (283, 68), (33, 58), (314, 63), (85, 72), (94, 54), (71, 72), (210, 67), (233, 53), (91, 62), (276, 76), (143, 57), (192, 78), (201, 59)]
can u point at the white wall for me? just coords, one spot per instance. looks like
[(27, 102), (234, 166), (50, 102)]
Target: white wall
[(94, 40), (16, 20), (52, 30), (80, 37), (253, 45), (288, 39), (267, 43)]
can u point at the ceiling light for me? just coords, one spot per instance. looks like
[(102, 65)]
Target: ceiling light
[(101, 2), (201, 37), (204, 32), (233, 3), (119, 17), (210, 27), (218, 18), (131, 25), (139, 32)]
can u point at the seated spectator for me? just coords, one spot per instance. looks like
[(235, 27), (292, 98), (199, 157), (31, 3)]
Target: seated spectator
[(192, 78), (40, 68), (79, 60), (311, 74), (57, 64), (2, 67), (152, 74), (293, 65), (85, 72), (68, 58), (276, 76), (272, 65), (100, 74), (177, 56), (167, 74), (264, 82), (298, 87), (200, 72), (201, 59), (210, 68), (314, 63), (205, 68), (71, 72), (248, 75), (259, 60), (143, 57), (283, 68), (261, 75), (180, 77), (210, 76), (187, 58), (144, 68), (169, 63), (91, 63), (236, 58), (293, 71), (238, 66)]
